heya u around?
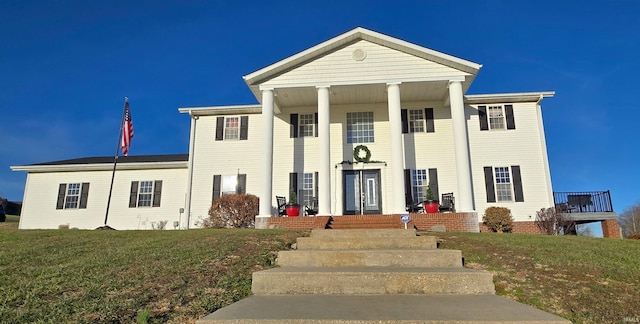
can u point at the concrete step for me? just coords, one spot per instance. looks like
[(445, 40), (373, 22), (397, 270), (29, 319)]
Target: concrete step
[(351, 243), (371, 280), (429, 258), (363, 233), (380, 309)]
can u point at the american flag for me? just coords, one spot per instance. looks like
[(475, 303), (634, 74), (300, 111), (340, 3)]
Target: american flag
[(127, 129)]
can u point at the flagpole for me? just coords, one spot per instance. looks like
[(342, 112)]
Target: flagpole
[(115, 160)]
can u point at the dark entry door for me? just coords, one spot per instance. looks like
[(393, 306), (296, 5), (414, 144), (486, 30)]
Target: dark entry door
[(361, 192)]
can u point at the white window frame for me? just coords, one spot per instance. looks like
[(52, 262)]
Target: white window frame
[(360, 127), (417, 121), (145, 193), (419, 185), (496, 117), (308, 186), (503, 181), (231, 132), (72, 196), (306, 125)]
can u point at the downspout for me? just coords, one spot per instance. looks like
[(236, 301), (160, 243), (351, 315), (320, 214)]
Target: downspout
[(192, 140)]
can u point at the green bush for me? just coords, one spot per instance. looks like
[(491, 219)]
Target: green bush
[(498, 219), (233, 211)]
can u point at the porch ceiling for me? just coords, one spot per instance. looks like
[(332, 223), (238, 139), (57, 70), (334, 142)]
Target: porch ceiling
[(361, 94)]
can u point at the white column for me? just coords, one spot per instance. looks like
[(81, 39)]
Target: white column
[(267, 157), (324, 161), (464, 200), (397, 156)]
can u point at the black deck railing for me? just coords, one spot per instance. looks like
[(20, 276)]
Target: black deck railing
[(583, 201)]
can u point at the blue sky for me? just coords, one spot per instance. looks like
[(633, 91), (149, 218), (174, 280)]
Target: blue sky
[(65, 67)]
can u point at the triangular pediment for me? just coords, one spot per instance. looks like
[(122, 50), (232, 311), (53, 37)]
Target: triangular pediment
[(361, 56)]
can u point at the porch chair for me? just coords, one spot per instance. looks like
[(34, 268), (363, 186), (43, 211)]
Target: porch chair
[(413, 208), (282, 202), (448, 202), (313, 209)]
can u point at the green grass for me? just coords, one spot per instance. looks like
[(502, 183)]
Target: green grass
[(10, 222), (583, 279), (62, 276)]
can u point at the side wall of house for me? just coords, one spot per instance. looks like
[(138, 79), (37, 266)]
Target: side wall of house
[(41, 196)]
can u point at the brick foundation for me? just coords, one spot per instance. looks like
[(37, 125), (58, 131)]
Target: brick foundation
[(518, 228), (610, 228), (299, 222)]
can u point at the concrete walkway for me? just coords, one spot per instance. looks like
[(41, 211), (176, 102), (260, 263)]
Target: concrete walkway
[(374, 276)]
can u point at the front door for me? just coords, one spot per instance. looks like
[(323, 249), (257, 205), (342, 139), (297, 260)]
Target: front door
[(361, 192)]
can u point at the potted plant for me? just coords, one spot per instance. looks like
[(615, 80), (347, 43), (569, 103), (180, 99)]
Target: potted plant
[(430, 205), (292, 208)]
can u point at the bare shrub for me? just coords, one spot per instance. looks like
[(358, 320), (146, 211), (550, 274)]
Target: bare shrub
[(553, 222), (159, 225), (498, 219), (233, 211), (63, 226)]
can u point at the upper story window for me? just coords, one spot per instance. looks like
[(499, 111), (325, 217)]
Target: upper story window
[(72, 195), (496, 117), (232, 128), (307, 125), (416, 120), (145, 193), (360, 127)]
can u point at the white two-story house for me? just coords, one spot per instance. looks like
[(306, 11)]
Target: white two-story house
[(359, 124)]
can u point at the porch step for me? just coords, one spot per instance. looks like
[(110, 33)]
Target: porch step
[(354, 243), (362, 233), (427, 258), (380, 309), (371, 280)]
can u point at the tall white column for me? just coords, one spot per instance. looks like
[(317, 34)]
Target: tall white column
[(397, 157), (324, 171), (464, 201), (267, 157)]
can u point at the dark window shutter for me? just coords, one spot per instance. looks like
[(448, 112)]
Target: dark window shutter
[(517, 183), (293, 121), (217, 179), (511, 122), (428, 115), (84, 195), (133, 195), (244, 127), (293, 184), (482, 116), (62, 190), (219, 128), (242, 184), (433, 183), (315, 184), (488, 183), (408, 193), (315, 123), (157, 193), (405, 121)]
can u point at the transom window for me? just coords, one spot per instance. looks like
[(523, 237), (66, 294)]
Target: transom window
[(306, 125), (416, 120), (360, 127), (145, 193), (419, 185), (73, 196), (496, 117), (231, 128), (503, 184)]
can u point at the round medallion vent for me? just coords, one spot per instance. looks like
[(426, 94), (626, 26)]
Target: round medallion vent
[(359, 54)]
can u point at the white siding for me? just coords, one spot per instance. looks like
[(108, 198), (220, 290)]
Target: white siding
[(381, 64), (41, 193), (521, 146)]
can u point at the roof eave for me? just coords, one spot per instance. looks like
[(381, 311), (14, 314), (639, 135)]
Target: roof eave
[(101, 167), (221, 110), (508, 97)]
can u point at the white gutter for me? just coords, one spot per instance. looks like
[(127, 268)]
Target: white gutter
[(100, 166)]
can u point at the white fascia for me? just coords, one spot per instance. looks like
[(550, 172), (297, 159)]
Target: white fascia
[(221, 110), (508, 97), (100, 167)]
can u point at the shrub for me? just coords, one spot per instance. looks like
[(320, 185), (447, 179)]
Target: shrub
[(634, 237), (553, 222), (233, 211), (498, 219)]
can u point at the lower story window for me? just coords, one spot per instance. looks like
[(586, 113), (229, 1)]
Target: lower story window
[(503, 184), (307, 189), (419, 185), (73, 196), (229, 184), (145, 193)]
